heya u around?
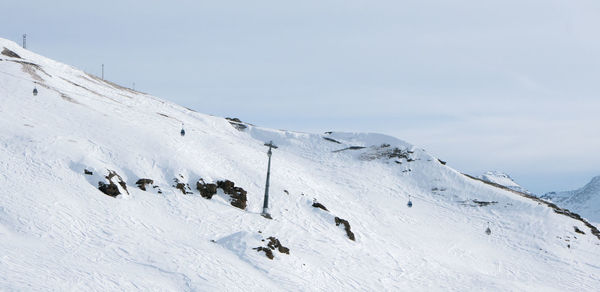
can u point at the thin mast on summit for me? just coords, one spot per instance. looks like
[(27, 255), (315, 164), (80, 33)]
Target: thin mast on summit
[(265, 212)]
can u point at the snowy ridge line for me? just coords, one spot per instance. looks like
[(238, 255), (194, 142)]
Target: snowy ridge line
[(556, 208)]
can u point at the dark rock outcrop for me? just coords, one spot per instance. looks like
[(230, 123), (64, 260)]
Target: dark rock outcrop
[(237, 124), (346, 224), (386, 151), (578, 230), (319, 205), (484, 203), (183, 187), (142, 182), (268, 252), (207, 190), (239, 198), (237, 194), (332, 140), (349, 148), (226, 185), (9, 53), (397, 153), (111, 188), (88, 172), (236, 120), (274, 243)]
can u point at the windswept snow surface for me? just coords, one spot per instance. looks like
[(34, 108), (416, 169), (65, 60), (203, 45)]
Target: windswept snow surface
[(585, 201), (503, 179), (59, 232)]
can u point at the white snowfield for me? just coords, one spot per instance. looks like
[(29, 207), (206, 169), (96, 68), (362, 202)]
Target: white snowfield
[(59, 232), (585, 201)]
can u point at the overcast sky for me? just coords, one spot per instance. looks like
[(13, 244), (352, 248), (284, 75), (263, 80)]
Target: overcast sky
[(507, 85)]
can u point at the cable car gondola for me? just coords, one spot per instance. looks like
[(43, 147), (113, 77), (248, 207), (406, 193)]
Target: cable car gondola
[(35, 91), (182, 130), (409, 204), (488, 231)]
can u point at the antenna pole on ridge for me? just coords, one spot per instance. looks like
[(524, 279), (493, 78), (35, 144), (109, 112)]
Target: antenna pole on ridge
[(265, 212), (102, 71), (24, 41)]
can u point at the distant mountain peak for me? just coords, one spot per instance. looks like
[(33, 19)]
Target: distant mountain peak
[(595, 181), (585, 200)]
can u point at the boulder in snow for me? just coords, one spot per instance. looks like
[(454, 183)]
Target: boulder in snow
[(111, 188), (183, 187), (346, 224), (142, 182), (207, 190), (274, 244), (319, 205), (237, 194)]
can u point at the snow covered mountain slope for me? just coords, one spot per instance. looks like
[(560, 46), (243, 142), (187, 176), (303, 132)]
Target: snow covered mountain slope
[(585, 201), (504, 180), (60, 232)]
